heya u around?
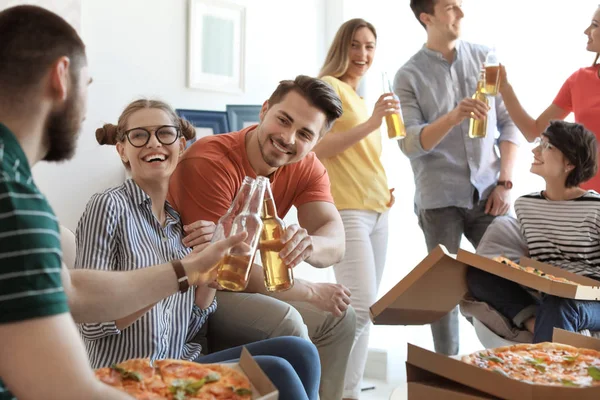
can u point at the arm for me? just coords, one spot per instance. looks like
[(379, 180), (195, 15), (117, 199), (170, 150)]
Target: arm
[(421, 135), (498, 203), (531, 128), (44, 358), (336, 142), (329, 297), (106, 296)]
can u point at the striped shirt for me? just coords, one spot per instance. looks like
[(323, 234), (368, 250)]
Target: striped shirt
[(119, 232), (563, 233), (30, 254)]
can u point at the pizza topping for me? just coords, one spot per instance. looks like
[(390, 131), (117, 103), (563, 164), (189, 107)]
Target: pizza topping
[(568, 382), (182, 387), (243, 392), (127, 374), (594, 372), (571, 359)]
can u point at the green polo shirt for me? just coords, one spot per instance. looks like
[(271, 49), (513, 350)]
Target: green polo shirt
[(30, 253)]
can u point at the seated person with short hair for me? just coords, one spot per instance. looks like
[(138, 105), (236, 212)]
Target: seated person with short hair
[(561, 225)]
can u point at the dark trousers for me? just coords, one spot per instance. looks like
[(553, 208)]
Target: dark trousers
[(446, 226), (515, 303)]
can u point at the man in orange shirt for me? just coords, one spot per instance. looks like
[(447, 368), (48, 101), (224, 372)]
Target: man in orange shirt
[(208, 176)]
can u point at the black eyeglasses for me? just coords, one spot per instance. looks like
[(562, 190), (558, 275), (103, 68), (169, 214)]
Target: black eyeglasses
[(166, 134)]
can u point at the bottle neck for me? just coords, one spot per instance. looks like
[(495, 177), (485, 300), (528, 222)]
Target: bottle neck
[(269, 209)]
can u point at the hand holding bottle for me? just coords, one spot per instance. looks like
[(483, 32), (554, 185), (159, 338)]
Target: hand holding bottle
[(387, 104), (298, 245), (469, 108), (201, 266)]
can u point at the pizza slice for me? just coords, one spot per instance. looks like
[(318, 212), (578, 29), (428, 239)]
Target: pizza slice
[(533, 271)]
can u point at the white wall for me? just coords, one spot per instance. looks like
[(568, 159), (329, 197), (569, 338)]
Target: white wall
[(138, 48)]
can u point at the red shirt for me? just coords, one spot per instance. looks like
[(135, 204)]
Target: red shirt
[(212, 169), (580, 94)]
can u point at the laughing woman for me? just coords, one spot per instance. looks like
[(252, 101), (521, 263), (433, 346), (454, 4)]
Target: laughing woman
[(351, 153), (561, 225), (133, 226), (580, 94)]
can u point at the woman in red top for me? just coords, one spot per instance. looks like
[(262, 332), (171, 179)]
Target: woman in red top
[(580, 94)]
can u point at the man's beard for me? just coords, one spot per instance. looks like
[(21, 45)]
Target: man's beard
[(62, 129)]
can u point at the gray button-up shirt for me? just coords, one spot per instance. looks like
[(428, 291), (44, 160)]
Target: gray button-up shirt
[(429, 87)]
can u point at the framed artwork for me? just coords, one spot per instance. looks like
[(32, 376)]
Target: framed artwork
[(242, 116), (206, 122), (216, 45)]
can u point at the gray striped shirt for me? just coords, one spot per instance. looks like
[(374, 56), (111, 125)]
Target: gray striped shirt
[(119, 232), (429, 87)]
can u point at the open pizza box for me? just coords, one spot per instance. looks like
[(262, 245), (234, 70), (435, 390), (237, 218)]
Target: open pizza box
[(431, 290), (586, 288), (435, 286), (262, 387), (431, 375)]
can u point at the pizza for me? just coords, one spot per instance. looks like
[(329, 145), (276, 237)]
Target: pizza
[(546, 363), (176, 380), (534, 271)]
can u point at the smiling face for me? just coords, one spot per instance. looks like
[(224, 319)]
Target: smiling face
[(593, 33), (361, 54), (446, 19), (549, 162), (154, 161), (289, 130)]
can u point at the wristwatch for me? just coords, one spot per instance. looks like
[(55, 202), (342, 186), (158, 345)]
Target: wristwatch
[(182, 278), (506, 184)]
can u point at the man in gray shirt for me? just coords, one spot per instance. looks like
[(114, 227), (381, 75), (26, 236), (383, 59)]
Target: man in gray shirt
[(462, 184)]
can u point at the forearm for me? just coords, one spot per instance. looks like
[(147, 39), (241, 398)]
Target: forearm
[(329, 245), (526, 124), (99, 296), (130, 319), (432, 134), (204, 296), (333, 144), (508, 157), (301, 291)]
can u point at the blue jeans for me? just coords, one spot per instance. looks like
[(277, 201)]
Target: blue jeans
[(446, 226), (291, 363), (516, 304)]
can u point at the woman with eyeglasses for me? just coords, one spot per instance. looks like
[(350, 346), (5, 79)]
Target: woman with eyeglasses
[(580, 95), (133, 226), (561, 225)]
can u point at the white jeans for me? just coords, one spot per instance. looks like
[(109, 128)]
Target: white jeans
[(361, 271)]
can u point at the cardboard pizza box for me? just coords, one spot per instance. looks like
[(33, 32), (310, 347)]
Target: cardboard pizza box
[(262, 387), (431, 290), (442, 368), (586, 289), (424, 385), (575, 339)]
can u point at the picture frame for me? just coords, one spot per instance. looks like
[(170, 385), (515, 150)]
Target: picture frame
[(241, 116), (216, 45), (206, 122)]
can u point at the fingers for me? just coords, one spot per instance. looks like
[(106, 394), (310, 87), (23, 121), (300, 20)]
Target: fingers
[(198, 232), (297, 242), (231, 241), (197, 225), (489, 204)]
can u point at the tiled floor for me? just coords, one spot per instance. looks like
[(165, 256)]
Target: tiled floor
[(394, 339)]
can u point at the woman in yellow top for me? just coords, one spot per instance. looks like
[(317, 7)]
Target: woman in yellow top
[(351, 153)]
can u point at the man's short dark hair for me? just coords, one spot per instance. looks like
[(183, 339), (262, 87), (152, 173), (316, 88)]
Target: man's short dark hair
[(317, 92), (31, 40), (422, 6), (579, 146)]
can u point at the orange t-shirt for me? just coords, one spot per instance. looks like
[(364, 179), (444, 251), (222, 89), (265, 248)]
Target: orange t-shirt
[(212, 169), (580, 94)]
